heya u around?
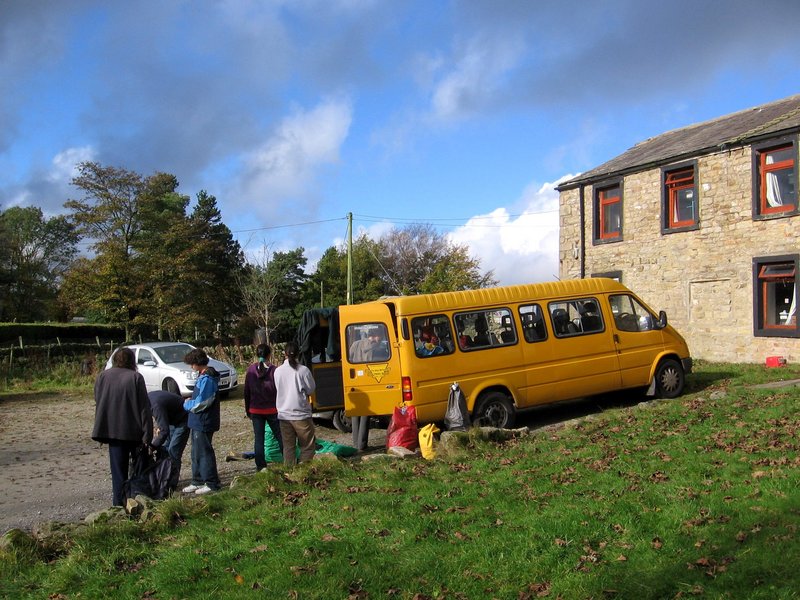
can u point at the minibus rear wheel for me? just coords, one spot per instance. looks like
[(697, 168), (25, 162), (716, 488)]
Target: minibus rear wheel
[(495, 409), (670, 378)]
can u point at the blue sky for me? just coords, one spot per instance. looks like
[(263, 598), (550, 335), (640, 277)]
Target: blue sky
[(464, 114)]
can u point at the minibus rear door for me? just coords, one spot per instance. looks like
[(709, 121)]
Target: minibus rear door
[(370, 359)]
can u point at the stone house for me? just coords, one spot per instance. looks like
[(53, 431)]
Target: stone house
[(702, 222)]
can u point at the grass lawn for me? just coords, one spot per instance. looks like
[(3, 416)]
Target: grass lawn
[(693, 497)]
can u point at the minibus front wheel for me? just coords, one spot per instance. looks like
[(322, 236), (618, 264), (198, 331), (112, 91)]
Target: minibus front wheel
[(495, 409), (669, 378)]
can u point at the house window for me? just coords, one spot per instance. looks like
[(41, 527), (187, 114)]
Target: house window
[(775, 296), (679, 198), (608, 213), (775, 180)]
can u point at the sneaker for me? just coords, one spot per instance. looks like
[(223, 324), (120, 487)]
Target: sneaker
[(190, 489), (203, 490)]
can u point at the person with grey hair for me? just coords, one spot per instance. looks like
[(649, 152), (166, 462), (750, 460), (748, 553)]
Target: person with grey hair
[(122, 417)]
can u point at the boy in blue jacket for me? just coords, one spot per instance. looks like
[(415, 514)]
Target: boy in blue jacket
[(203, 408)]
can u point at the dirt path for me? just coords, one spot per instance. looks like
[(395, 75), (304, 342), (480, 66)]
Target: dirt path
[(53, 471)]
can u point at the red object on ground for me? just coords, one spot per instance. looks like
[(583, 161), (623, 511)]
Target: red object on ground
[(775, 361)]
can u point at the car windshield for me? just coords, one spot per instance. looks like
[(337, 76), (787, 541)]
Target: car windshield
[(172, 354)]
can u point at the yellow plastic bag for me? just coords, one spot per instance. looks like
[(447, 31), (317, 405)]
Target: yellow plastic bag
[(426, 440)]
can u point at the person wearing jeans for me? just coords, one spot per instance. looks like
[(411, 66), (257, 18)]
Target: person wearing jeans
[(293, 385), (259, 402), (203, 408), (173, 429)]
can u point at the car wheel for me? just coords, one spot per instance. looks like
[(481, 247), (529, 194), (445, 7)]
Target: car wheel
[(342, 422), (171, 386), (495, 409), (670, 378)]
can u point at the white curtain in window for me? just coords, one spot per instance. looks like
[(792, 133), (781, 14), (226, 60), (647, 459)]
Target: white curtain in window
[(774, 196), (793, 307)]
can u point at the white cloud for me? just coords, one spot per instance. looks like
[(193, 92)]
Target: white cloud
[(520, 248), (476, 75), (286, 166), (65, 163)]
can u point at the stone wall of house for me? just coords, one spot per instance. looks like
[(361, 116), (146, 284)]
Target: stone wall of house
[(702, 278)]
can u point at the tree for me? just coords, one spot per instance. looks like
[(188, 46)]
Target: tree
[(273, 292), (108, 214), (36, 253), (418, 259), (213, 261), (155, 268), (161, 245), (329, 281)]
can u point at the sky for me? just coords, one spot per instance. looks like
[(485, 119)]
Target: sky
[(295, 113)]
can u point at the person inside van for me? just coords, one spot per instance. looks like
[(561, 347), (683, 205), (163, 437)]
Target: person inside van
[(482, 335), (365, 349)]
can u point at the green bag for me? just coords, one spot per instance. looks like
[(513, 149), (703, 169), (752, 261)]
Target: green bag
[(272, 449)]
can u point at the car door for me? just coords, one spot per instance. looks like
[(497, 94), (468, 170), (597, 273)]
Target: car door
[(146, 364), (637, 340)]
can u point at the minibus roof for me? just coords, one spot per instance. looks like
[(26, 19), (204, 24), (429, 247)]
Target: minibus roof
[(499, 296)]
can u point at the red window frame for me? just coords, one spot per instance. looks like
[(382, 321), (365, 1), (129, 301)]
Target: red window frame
[(768, 274), (765, 169), (604, 201), (675, 181)]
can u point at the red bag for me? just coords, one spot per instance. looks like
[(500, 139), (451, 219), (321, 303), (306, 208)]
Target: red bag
[(403, 430)]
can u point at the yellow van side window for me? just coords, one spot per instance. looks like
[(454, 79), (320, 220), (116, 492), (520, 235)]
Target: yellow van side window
[(533, 329), (485, 329), (576, 317), (432, 336), (630, 315)]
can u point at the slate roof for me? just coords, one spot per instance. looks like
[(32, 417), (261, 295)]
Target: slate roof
[(736, 129)]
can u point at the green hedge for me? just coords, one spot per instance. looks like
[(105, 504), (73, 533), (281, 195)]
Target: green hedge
[(44, 333)]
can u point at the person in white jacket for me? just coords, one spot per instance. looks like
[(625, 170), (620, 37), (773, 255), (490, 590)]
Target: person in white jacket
[(294, 384)]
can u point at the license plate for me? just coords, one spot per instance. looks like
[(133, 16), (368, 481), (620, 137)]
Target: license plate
[(224, 382)]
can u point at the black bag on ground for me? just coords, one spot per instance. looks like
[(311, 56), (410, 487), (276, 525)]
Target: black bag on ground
[(149, 474), (457, 416)]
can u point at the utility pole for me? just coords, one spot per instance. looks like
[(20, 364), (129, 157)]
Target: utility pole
[(350, 258)]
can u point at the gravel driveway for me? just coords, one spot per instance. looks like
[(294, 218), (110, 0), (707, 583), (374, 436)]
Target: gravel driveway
[(53, 471)]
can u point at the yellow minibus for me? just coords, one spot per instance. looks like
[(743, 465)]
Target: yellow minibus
[(508, 348)]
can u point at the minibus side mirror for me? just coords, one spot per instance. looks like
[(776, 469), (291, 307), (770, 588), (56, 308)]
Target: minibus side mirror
[(662, 320)]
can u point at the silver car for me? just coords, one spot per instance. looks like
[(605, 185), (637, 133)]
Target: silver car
[(161, 364)]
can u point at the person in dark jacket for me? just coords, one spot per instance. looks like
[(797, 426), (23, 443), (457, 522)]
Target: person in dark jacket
[(259, 402), (122, 417), (203, 408), (172, 423)]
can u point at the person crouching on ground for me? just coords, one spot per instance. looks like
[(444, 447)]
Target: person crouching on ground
[(173, 429), (259, 402), (203, 408), (294, 384), (122, 417)]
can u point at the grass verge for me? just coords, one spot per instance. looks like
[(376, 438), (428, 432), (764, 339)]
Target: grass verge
[(694, 497)]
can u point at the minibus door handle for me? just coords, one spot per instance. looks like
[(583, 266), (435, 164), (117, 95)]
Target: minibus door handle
[(616, 339), (352, 373)]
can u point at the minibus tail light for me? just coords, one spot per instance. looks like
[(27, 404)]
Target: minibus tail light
[(406, 384)]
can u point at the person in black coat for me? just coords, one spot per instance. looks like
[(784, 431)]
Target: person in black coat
[(122, 417), (172, 426)]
